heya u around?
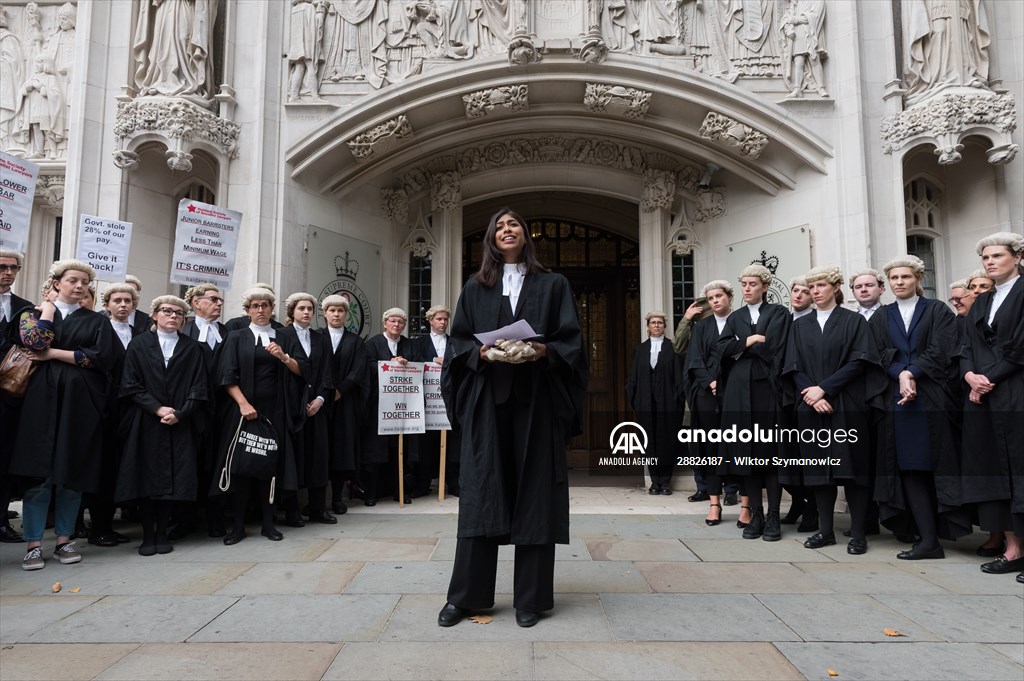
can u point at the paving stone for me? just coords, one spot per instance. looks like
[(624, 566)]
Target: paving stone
[(576, 549), (600, 577), (25, 615), (68, 662), (449, 660), (668, 660), (302, 618), (613, 547), (422, 577), (157, 577), (256, 549), (845, 617), (685, 617), (728, 578), (789, 549), (961, 578), (576, 617), (117, 619), (1014, 651), (869, 578), (985, 619), (18, 582), (292, 578), (907, 662), (222, 661), (397, 526), (375, 548)]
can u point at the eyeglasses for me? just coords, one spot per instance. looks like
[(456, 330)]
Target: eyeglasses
[(260, 306), (212, 299), (171, 312), (956, 300), (10, 268)]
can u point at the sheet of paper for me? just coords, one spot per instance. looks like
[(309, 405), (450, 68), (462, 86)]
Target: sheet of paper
[(520, 330)]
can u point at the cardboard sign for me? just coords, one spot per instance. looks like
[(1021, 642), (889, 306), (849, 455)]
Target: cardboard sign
[(435, 413), (205, 239), (400, 391), (17, 190), (103, 243)]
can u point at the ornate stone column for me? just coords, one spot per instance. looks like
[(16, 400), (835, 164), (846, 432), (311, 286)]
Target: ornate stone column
[(446, 204), (655, 217)]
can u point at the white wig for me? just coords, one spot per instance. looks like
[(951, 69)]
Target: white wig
[(868, 272), (912, 261), (435, 310), (19, 258), (718, 283), (291, 301), (959, 283), (257, 293), (759, 271), (120, 288), (58, 268), (134, 281), (173, 301), (655, 313), (1015, 242), (830, 273), (797, 281), (393, 312), (200, 290), (335, 300)]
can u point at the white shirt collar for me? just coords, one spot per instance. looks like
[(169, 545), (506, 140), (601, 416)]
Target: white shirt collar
[(66, 309), (802, 313), (5, 306), (720, 321), (168, 340), (392, 344), (822, 317), (262, 333), (123, 331), (131, 318), (512, 278), (1006, 285), (755, 311), (336, 335), (1002, 290), (303, 335)]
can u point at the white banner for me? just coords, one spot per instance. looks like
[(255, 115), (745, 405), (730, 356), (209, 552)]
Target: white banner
[(205, 239), (400, 389), (104, 243), (435, 413), (17, 190)]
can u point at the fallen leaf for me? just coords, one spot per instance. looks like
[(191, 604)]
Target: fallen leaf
[(481, 619), (832, 672), (56, 587), (75, 590), (892, 632)]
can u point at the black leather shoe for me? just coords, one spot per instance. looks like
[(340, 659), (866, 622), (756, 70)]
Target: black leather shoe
[(103, 540), (9, 535), (1001, 566), (772, 527), (232, 539), (739, 523), (408, 499), (667, 491), (526, 619), (147, 550), (730, 499), (322, 516), (809, 523), (654, 489), (369, 501), (1020, 578), (272, 534), (339, 508), (293, 519), (857, 547), (989, 551), (755, 528), (450, 615), (818, 540), (917, 553), (699, 496), (164, 547), (711, 522)]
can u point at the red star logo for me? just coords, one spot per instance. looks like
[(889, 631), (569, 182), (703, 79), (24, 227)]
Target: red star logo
[(191, 208), (385, 367)]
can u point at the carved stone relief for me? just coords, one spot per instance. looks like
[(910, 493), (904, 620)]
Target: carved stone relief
[(803, 27), (659, 190), (50, 188), (945, 45), (380, 139), (179, 123), (710, 204), (173, 47), (445, 190), (683, 240), (509, 98), (720, 128), (395, 204), (37, 46), (420, 242), (617, 99), (946, 119)]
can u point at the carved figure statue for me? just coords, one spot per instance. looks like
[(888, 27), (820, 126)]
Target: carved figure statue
[(708, 43), (61, 50), (619, 27), (946, 44), (354, 47), (11, 59), (304, 53), (493, 24), (173, 47), (803, 28), (41, 119), (33, 34), (659, 27)]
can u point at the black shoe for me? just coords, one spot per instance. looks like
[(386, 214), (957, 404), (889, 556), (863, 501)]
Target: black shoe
[(772, 527), (11, 515), (665, 490), (857, 547), (272, 534), (293, 519), (355, 491), (711, 522), (917, 553), (1001, 566), (233, 538), (103, 539), (989, 552), (147, 549), (739, 523), (809, 523), (322, 516), (526, 619), (182, 530), (818, 540), (755, 528), (213, 530), (9, 535), (796, 509), (164, 547), (699, 495), (339, 508), (450, 615), (369, 501), (730, 499), (121, 539), (408, 499), (654, 489), (1020, 578)]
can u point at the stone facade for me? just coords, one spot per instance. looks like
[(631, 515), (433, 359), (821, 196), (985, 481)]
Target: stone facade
[(400, 123)]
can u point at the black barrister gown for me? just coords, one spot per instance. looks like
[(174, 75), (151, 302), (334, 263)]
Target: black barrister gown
[(750, 385), (210, 417), (837, 359), (238, 366), (159, 461), (312, 447), (348, 369), (377, 448), (10, 407), (924, 434), (540, 512), (61, 431), (658, 400), (993, 462), (243, 322), (700, 369)]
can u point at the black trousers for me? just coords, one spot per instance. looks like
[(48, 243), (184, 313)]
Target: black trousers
[(476, 565)]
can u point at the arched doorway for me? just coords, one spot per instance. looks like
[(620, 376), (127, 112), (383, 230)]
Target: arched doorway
[(603, 268)]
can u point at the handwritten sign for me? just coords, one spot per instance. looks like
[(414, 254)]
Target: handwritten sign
[(205, 239), (17, 190), (435, 414), (104, 244), (400, 392)]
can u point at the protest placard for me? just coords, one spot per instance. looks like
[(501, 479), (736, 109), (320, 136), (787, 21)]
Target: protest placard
[(205, 239), (17, 191), (400, 391), (104, 243), (435, 414)]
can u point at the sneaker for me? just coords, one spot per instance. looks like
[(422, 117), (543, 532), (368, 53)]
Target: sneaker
[(33, 560), (67, 553)]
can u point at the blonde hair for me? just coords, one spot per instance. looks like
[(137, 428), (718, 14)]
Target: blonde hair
[(291, 301), (19, 258), (59, 267), (718, 283), (334, 300), (120, 288), (168, 300)]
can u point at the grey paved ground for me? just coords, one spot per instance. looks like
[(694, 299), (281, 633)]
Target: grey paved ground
[(644, 591)]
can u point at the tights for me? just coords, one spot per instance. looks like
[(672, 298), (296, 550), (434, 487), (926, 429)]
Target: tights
[(241, 488), (752, 485), (859, 498), (154, 514), (919, 490)]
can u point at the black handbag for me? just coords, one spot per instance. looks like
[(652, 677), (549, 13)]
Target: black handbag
[(252, 453)]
